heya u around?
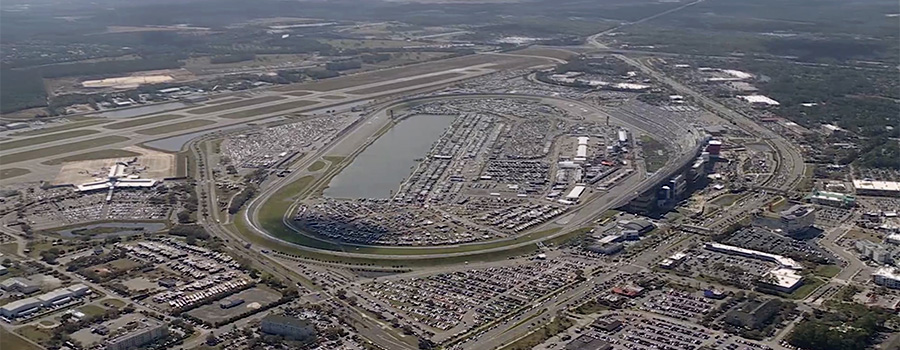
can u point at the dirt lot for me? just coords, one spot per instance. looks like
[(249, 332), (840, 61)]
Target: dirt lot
[(8, 173), (164, 129), (233, 105), (254, 298), (159, 165), (73, 85), (407, 83), (268, 109), (54, 150)]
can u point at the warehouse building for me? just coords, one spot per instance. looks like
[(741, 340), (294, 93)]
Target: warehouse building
[(50, 299), (877, 188), (21, 285), (19, 308)]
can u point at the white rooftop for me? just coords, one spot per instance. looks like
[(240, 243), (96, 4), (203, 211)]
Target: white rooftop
[(759, 99), (877, 185)]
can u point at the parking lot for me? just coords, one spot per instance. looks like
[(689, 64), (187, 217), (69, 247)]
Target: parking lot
[(250, 299)]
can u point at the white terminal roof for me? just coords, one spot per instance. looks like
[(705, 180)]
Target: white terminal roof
[(877, 185), (583, 140), (575, 193), (759, 99)]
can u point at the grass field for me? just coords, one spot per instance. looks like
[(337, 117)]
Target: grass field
[(34, 334), (809, 285), (233, 105), (407, 83), (54, 150), (828, 271), (101, 154), (116, 303), (725, 200), (12, 341), (268, 109), (299, 93), (532, 340), (141, 121), (8, 173), (318, 165), (370, 43), (332, 97), (92, 310), (45, 138), (63, 127), (396, 73), (185, 125), (224, 100), (655, 156)]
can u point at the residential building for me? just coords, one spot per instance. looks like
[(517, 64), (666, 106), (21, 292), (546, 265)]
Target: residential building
[(888, 277)]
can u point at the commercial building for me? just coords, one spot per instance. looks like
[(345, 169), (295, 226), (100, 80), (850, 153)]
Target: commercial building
[(893, 239), (290, 327), (606, 249), (639, 226), (586, 342), (672, 261), (606, 325), (783, 280), (796, 219), (136, 333), (888, 277), (834, 199), (754, 254), (877, 188)]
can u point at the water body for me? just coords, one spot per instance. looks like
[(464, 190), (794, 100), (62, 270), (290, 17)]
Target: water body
[(175, 143), (125, 229), (138, 111), (382, 166)]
